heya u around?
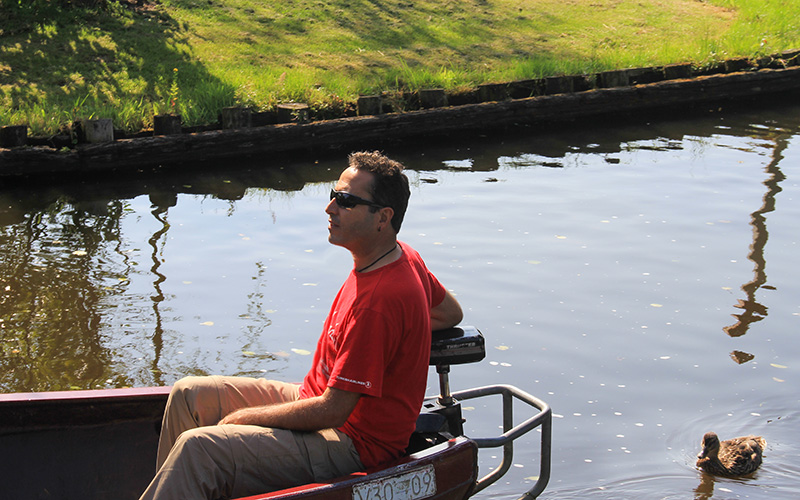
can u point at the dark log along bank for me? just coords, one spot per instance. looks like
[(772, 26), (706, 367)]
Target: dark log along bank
[(581, 98)]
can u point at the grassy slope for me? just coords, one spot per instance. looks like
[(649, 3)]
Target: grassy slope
[(120, 62)]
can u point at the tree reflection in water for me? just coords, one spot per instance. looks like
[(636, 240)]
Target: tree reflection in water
[(52, 284), (753, 310), (64, 266), (161, 205)]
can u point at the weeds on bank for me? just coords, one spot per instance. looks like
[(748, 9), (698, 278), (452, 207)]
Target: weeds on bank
[(110, 61), (73, 59), (174, 92)]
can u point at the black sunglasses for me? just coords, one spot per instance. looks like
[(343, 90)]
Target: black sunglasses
[(347, 200)]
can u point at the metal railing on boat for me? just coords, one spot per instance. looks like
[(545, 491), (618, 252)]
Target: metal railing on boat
[(466, 345), (511, 432)]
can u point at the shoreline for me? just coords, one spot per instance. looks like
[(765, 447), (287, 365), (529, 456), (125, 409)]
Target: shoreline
[(568, 102)]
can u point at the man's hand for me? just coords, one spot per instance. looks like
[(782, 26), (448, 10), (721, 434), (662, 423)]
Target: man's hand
[(330, 410)]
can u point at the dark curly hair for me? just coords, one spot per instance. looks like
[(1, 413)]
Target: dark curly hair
[(389, 184)]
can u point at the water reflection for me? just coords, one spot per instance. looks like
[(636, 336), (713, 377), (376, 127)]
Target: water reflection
[(62, 265), (62, 255), (753, 310), (161, 205), (704, 490), (54, 277)]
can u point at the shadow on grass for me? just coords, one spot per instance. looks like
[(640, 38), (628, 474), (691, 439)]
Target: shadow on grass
[(117, 61), (415, 44)]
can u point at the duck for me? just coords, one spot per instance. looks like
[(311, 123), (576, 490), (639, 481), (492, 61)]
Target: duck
[(733, 457)]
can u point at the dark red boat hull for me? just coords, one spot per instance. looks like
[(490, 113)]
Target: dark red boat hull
[(102, 444)]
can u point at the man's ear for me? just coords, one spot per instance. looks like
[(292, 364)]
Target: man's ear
[(386, 217)]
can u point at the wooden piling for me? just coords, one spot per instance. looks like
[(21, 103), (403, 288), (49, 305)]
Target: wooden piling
[(166, 124), (369, 105), (677, 71), (641, 76), (790, 58), (432, 98), (493, 92), (236, 118), (293, 112), (738, 64), (558, 85), (13, 136), (523, 89), (610, 79), (583, 83), (98, 131)]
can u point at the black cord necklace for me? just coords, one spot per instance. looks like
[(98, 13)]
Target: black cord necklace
[(376, 260)]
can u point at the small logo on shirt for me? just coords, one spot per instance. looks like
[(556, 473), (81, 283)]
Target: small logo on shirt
[(366, 384)]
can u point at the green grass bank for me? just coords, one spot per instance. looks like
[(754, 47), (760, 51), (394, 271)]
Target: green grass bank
[(66, 60)]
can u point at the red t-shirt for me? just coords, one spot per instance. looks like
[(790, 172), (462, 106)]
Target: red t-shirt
[(377, 341)]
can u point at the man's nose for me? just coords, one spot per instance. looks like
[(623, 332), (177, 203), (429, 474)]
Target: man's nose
[(331, 207)]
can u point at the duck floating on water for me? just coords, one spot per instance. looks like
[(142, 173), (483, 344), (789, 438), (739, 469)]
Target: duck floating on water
[(733, 457)]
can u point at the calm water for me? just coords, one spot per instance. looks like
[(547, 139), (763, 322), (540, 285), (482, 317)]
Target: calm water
[(642, 280)]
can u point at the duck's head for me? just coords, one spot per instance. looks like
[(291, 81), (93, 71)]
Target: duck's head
[(710, 446)]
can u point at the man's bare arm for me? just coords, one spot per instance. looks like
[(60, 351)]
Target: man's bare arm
[(447, 314), (330, 410)]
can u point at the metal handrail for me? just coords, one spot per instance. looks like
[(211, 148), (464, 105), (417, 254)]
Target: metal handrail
[(510, 432)]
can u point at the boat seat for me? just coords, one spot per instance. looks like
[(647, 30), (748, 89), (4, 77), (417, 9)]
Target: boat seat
[(456, 346)]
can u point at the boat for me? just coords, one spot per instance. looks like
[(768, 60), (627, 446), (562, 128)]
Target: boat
[(99, 444)]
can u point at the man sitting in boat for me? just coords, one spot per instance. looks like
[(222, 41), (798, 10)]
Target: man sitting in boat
[(226, 437)]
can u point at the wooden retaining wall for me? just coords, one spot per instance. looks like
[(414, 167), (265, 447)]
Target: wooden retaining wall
[(188, 148)]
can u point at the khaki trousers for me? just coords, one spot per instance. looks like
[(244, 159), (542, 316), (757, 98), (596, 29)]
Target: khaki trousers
[(198, 459)]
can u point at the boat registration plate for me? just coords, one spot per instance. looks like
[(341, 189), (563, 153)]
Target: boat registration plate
[(413, 485)]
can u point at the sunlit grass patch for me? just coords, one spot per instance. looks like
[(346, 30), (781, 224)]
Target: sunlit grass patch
[(327, 52)]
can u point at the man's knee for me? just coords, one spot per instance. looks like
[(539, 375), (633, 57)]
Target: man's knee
[(193, 399), (193, 384), (194, 389), (199, 465), (209, 442)]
